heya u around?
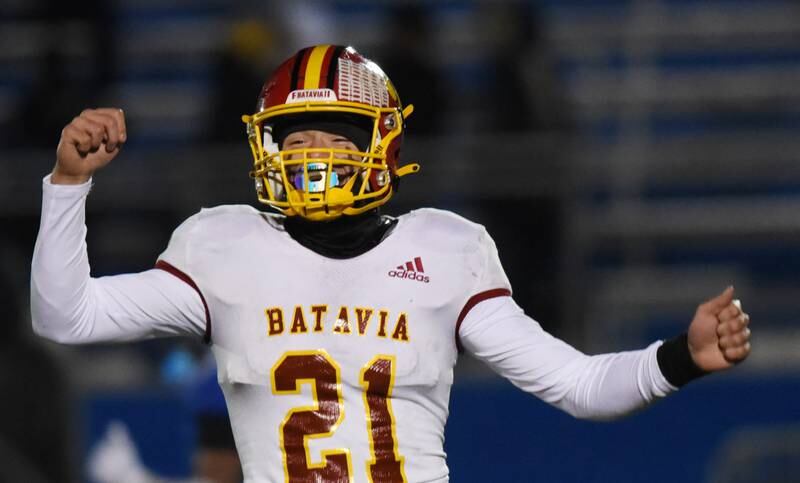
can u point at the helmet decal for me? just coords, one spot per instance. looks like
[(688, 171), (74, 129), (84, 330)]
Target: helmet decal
[(304, 95), (359, 83)]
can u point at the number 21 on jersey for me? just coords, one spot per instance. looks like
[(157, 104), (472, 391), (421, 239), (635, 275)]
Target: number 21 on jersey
[(320, 419)]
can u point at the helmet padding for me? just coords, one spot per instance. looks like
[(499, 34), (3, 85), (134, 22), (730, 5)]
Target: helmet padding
[(357, 129)]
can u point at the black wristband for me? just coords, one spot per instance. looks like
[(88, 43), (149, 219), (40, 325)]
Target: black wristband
[(676, 363)]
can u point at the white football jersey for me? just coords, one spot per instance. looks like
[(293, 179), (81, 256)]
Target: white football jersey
[(336, 370), (333, 370)]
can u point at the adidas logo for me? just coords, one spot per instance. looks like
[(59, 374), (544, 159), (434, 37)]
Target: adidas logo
[(412, 270)]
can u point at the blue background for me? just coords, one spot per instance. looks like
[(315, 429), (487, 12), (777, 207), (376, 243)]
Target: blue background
[(497, 433)]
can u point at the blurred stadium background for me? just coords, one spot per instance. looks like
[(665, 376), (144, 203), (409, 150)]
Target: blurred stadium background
[(630, 157)]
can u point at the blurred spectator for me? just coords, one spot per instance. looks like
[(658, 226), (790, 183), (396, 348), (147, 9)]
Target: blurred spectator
[(73, 71), (248, 58), (308, 22), (215, 458), (406, 59), (51, 98), (522, 88), (34, 438), (519, 94), (115, 459)]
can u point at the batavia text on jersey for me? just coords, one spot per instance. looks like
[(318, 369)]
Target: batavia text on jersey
[(360, 320)]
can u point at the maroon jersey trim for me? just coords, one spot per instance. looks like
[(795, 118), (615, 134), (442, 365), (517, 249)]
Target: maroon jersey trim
[(472, 302), (161, 264)]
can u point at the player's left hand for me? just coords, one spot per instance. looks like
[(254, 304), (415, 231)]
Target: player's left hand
[(719, 336)]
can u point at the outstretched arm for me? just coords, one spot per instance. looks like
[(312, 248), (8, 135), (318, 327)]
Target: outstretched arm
[(69, 306), (602, 386)]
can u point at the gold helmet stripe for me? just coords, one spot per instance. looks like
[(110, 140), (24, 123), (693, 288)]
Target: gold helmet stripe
[(314, 67)]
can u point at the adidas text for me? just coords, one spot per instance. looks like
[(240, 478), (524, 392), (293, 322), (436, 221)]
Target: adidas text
[(419, 277)]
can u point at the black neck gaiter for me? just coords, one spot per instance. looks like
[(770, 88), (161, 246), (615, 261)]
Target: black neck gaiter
[(344, 237)]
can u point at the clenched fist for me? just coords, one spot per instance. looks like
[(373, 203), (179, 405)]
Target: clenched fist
[(719, 336), (88, 143)]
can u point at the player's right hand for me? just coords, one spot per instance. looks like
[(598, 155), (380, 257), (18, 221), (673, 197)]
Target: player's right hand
[(88, 143)]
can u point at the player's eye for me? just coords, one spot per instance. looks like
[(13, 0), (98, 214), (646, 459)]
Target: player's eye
[(344, 143)]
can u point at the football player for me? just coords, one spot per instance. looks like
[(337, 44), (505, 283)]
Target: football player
[(336, 328)]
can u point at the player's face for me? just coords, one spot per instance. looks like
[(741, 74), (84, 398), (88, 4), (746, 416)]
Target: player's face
[(321, 140), (317, 139)]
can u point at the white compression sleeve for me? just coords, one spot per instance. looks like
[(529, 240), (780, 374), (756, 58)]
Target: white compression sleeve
[(69, 306), (599, 387)]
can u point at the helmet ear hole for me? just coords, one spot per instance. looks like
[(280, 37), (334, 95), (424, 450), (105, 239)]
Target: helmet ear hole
[(390, 122), (383, 178)]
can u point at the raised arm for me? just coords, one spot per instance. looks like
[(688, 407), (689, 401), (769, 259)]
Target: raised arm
[(67, 304), (89, 142), (604, 386)]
